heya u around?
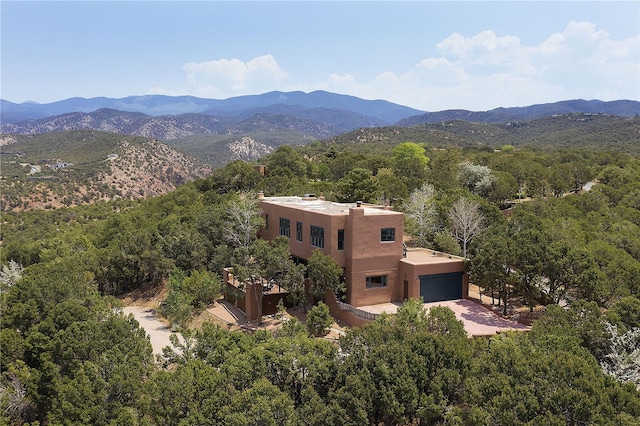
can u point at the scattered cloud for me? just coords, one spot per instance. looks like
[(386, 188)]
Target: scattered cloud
[(486, 70), (231, 77)]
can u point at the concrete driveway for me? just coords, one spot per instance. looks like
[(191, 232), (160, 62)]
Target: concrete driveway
[(478, 320)]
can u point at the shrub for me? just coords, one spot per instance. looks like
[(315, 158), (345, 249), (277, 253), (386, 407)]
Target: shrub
[(319, 320)]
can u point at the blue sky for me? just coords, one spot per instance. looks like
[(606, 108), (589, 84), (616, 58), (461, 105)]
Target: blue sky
[(427, 55)]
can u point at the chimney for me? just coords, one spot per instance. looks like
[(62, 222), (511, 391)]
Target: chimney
[(260, 195), (358, 203)]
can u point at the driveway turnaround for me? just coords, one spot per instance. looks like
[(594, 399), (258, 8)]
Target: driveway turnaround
[(478, 320), (157, 331)]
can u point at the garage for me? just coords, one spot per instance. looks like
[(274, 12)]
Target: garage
[(435, 288)]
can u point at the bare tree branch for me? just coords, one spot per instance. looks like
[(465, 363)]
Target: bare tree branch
[(466, 221)]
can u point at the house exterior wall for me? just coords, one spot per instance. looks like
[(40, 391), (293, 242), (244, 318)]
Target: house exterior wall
[(411, 272), (375, 270), (368, 256), (303, 249), (362, 254)]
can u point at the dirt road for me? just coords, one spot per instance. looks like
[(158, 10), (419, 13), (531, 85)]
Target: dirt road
[(157, 330)]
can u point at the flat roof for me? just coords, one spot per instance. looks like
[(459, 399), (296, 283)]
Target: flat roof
[(326, 207), (420, 256)]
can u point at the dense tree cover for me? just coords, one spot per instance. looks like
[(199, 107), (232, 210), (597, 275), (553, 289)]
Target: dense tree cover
[(68, 356)]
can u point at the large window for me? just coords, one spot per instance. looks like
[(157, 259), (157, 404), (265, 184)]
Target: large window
[(299, 231), (377, 281), (285, 227), (317, 236), (340, 239), (388, 234)]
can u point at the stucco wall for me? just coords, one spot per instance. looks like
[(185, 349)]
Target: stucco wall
[(413, 271), (367, 256)]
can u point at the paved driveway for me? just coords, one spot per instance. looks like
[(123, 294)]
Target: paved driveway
[(478, 319)]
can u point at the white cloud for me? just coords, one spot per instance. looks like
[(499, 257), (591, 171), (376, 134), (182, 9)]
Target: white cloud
[(480, 72), (487, 70), (231, 77)]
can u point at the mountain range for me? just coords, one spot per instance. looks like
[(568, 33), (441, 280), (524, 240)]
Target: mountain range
[(238, 108), (101, 148), (337, 113), (248, 127)]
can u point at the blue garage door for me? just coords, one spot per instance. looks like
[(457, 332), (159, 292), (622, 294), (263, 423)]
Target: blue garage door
[(435, 288)]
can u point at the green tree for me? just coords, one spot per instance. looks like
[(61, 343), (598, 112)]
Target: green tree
[(324, 274), (410, 163), (391, 187), (565, 269), (260, 404), (503, 188), (443, 168), (492, 263), (319, 320), (293, 281), (236, 176), (357, 185)]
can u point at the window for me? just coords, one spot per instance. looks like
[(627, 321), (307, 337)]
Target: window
[(388, 234), (285, 227), (299, 231), (377, 281), (317, 236), (340, 239), (266, 222)]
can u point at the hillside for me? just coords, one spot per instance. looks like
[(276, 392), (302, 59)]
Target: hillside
[(80, 167), (289, 128), (585, 131), (621, 108)]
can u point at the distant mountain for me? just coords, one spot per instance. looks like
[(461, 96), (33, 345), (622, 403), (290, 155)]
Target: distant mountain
[(572, 131), (382, 112), (267, 128), (85, 166), (623, 108), (248, 127), (130, 123)]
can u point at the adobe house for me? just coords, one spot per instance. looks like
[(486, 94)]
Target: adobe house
[(367, 242)]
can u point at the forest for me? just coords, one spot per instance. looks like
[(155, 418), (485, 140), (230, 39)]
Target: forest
[(551, 227)]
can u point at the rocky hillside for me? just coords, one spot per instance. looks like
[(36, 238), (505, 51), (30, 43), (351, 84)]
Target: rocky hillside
[(129, 123), (80, 167), (570, 131), (170, 128)]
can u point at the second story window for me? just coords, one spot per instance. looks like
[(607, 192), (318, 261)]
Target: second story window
[(299, 231), (388, 234), (340, 239), (285, 227), (317, 236)]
